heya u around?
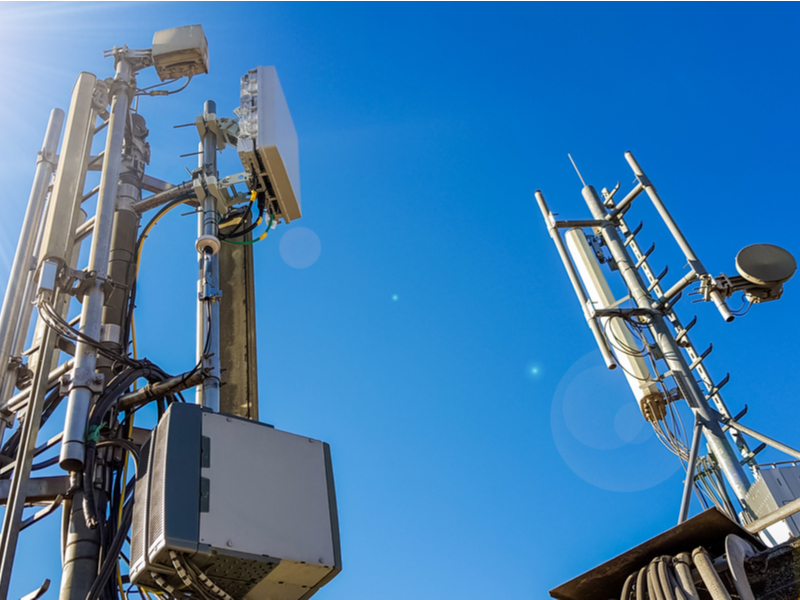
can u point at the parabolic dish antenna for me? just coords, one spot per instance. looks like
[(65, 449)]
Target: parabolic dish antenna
[(765, 264)]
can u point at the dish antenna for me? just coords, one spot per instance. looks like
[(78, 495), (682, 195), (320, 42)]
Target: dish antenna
[(763, 269), (765, 264)]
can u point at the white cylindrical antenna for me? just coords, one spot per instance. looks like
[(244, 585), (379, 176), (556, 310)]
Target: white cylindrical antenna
[(645, 388)]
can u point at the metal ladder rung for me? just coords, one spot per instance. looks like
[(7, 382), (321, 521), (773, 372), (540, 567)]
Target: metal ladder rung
[(632, 234), (700, 358), (716, 388), (645, 256), (657, 279)]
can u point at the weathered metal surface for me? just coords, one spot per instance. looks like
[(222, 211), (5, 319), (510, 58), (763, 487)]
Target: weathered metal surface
[(773, 574), (708, 529), (40, 490), (239, 392)]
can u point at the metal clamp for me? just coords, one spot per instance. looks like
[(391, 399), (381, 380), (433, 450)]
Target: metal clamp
[(138, 58), (94, 383), (208, 185), (212, 294), (85, 280), (221, 128), (100, 95)]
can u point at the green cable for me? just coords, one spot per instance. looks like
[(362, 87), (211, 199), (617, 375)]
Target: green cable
[(258, 239)]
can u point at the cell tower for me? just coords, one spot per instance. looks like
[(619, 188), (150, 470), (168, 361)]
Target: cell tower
[(741, 544), (173, 511)]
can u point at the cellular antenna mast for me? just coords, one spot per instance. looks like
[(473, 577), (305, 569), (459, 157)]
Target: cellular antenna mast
[(642, 333), (210, 502)]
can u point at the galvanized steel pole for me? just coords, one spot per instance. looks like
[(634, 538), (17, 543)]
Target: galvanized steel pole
[(691, 257), (23, 259), (608, 358), (84, 375), (208, 346), (690, 467), (82, 546), (718, 443), (19, 482)]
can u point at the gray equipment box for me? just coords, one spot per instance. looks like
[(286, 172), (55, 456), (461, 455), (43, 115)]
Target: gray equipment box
[(251, 507), (180, 52), (774, 488), (268, 142)]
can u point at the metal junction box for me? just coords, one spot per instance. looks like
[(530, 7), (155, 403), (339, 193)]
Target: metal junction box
[(776, 487), (180, 52), (268, 142), (251, 507)]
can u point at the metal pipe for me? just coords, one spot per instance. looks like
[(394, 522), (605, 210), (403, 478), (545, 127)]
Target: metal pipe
[(17, 402), (19, 483), (20, 334), (80, 396), (676, 324), (760, 437), (671, 351), (122, 254), (211, 345), (623, 204), (156, 200), (84, 230), (689, 483), (679, 286), (787, 510), (208, 281), (45, 165), (173, 385), (691, 257), (575, 280)]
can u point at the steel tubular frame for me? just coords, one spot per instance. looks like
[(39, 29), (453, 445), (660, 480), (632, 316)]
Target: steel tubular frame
[(70, 174), (54, 227), (608, 220)]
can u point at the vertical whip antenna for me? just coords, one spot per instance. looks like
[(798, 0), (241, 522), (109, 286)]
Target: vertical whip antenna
[(576, 169)]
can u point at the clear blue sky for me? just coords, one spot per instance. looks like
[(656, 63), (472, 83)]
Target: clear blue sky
[(436, 343)]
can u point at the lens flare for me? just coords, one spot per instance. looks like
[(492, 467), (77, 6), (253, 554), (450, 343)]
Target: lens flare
[(601, 434)]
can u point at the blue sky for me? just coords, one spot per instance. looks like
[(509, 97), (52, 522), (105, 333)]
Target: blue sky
[(436, 343)]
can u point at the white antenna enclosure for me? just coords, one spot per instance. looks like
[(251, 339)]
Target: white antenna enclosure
[(645, 389), (180, 52), (268, 142)]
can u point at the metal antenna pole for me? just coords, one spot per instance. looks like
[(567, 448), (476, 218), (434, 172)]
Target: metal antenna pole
[(574, 278), (85, 380), (83, 544), (690, 465), (22, 470), (21, 268), (208, 347), (694, 262), (669, 348), (57, 243), (122, 256)]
